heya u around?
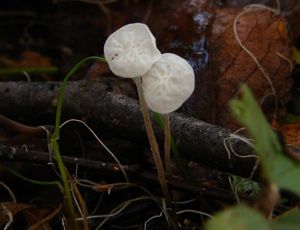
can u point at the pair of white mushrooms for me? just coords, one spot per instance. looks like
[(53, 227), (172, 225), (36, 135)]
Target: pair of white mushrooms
[(164, 82), (167, 79)]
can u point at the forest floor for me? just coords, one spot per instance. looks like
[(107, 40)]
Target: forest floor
[(226, 43)]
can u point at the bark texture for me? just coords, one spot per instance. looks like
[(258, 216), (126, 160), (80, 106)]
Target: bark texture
[(96, 103)]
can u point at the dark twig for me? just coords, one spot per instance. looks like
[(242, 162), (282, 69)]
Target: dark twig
[(46, 219), (15, 154), (213, 193), (8, 153), (17, 127)]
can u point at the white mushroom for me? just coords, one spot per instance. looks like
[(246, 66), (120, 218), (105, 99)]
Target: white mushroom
[(131, 50), (168, 84)]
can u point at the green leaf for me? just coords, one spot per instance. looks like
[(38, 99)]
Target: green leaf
[(243, 185), (290, 119), (29, 70), (56, 135), (289, 220), (238, 218), (277, 167), (296, 55)]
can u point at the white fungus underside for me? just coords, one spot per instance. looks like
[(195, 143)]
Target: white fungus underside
[(168, 84), (131, 50)]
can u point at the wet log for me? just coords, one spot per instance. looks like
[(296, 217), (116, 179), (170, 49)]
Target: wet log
[(105, 111)]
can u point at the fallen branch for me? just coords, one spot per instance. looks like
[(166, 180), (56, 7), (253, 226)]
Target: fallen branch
[(8, 153), (105, 111)]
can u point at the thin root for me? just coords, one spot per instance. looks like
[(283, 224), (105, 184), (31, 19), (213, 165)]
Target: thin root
[(249, 9), (101, 143)]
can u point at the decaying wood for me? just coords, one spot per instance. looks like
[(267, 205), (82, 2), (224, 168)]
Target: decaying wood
[(96, 103)]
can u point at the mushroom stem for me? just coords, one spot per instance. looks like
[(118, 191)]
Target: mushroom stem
[(167, 147), (152, 141)]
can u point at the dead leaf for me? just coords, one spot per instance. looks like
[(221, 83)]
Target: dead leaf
[(38, 218), (291, 133), (31, 58), (98, 70), (28, 58), (289, 9), (265, 35), (12, 207)]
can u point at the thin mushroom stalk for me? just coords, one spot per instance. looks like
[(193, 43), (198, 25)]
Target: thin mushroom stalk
[(167, 85), (167, 147), (130, 52), (152, 140), (163, 83)]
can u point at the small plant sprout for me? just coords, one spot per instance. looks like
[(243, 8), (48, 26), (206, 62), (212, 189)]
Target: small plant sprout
[(167, 85), (131, 50)]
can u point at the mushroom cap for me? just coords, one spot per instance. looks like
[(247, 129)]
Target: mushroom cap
[(131, 50), (168, 84)]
